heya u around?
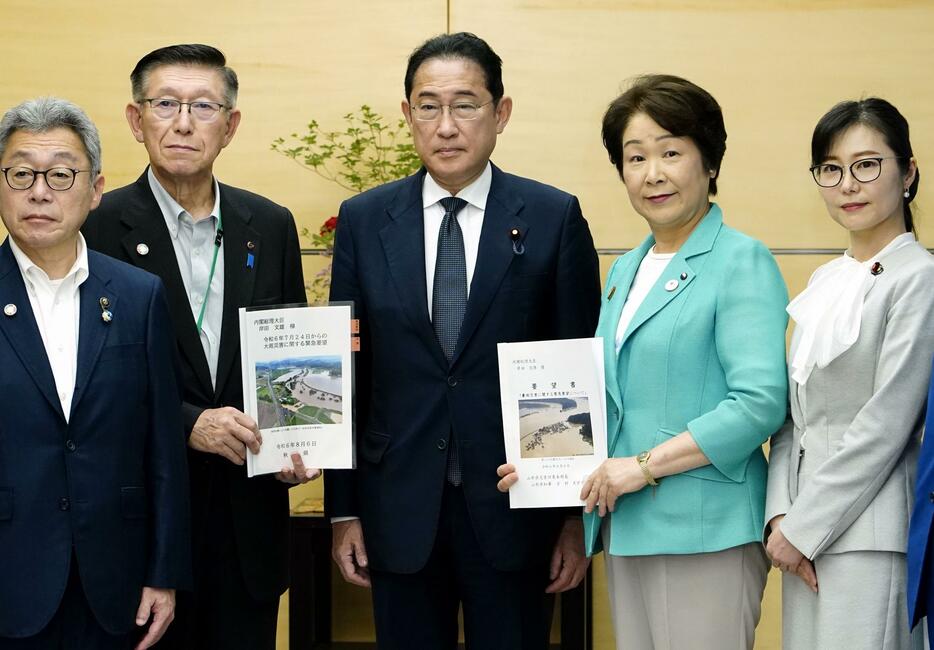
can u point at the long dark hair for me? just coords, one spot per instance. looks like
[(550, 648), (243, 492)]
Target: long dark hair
[(877, 114)]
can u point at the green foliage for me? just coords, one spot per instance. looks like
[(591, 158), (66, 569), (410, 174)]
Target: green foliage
[(365, 154)]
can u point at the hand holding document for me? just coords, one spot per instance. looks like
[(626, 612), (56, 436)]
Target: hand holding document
[(554, 418)]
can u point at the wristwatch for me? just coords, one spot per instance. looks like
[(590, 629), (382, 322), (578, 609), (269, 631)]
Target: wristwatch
[(643, 460)]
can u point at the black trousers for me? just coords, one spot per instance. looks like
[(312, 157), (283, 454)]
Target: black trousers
[(73, 627), (220, 614), (502, 609)]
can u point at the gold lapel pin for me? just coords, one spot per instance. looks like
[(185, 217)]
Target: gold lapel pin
[(609, 296)]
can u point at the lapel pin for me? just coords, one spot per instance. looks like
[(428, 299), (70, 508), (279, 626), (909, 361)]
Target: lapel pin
[(249, 260), (107, 316), (609, 296), (876, 268), (671, 285), (105, 302), (10, 310), (142, 249), (684, 275), (518, 247), (250, 245)]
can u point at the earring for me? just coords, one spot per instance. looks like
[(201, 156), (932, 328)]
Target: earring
[(906, 194)]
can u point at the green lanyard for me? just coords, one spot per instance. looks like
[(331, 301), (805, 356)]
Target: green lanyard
[(217, 247)]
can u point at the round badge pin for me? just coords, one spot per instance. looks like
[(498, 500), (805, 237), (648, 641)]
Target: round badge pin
[(10, 309), (671, 285), (142, 249), (107, 316)]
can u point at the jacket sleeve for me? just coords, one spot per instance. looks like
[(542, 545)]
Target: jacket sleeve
[(577, 280), (846, 483), (777, 498), (749, 334), (169, 562), (340, 488)]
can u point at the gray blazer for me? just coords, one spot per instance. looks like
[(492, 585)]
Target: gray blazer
[(863, 416)]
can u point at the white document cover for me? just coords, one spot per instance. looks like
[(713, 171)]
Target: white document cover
[(298, 385), (554, 418)]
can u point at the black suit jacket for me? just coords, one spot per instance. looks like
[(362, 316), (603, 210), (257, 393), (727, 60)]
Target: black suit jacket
[(410, 397), (108, 484), (253, 225)]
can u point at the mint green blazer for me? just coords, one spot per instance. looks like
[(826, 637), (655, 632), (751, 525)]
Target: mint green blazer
[(705, 353)]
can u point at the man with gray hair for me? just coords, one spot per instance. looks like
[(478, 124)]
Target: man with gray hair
[(93, 510), (217, 248)]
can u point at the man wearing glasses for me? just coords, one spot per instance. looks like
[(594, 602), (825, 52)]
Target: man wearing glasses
[(217, 248), (441, 267), (93, 505)]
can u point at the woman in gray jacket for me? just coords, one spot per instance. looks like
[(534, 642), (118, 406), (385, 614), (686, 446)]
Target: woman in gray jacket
[(842, 471)]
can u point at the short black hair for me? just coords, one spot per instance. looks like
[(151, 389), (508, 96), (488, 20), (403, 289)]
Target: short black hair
[(186, 54), (680, 107), (462, 45), (877, 114)]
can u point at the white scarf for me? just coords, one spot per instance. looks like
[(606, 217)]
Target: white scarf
[(828, 312)]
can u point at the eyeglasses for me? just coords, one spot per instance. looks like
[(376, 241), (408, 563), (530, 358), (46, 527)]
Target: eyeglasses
[(460, 111), (165, 108), (865, 170), (57, 178)]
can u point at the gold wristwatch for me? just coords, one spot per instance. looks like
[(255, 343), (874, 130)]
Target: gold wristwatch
[(643, 459)]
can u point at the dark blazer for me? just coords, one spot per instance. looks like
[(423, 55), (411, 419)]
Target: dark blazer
[(920, 568), (109, 483), (253, 225), (409, 396)]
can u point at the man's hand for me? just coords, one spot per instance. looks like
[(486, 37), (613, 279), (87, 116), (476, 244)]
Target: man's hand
[(298, 473), (349, 553), (568, 561), (227, 432), (508, 477), (161, 604), (786, 557)]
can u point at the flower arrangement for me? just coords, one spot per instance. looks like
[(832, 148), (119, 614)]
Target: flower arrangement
[(366, 153)]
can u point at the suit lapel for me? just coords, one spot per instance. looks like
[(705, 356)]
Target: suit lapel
[(679, 273), (146, 225), (21, 329), (494, 254), (92, 329), (240, 239), (617, 291), (403, 240)]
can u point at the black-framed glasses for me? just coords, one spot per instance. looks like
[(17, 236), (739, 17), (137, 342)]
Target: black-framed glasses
[(865, 170), (165, 108), (57, 178), (460, 111)]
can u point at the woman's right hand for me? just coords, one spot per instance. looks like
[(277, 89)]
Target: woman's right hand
[(508, 477)]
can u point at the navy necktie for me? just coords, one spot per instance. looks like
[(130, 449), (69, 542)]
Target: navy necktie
[(449, 299)]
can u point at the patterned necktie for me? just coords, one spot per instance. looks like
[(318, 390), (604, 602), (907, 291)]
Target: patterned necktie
[(449, 299)]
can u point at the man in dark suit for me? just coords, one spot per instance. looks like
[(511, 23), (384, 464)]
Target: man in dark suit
[(93, 508), (217, 248), (442, 266), (920, 531)]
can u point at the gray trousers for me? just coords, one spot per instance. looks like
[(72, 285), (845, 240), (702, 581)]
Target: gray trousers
[(702, 601)]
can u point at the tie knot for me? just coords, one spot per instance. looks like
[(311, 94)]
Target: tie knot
[(452, 205)]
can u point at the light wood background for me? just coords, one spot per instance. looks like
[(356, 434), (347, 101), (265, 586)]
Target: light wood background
[(774, 65)]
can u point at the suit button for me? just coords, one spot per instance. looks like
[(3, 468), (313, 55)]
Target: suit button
[(64, 504), (442, 444), (452, 381), (70, 445)]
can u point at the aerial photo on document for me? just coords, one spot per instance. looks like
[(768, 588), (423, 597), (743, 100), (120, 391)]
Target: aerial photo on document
[(304, 390), (555, 427)]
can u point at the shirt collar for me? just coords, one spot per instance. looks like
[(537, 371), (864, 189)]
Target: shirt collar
[(32, 273), (475, 194), (171, 209)]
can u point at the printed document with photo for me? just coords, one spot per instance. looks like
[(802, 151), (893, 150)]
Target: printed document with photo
[(298, 385), (554, 418)]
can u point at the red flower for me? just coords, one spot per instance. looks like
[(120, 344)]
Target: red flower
[(329, 226)]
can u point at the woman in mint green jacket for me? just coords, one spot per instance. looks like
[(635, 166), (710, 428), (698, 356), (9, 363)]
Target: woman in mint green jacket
[(693, 323)]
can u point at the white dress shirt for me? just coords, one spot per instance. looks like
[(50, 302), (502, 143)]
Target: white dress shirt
[(56, 305), (193, 242), (470, 219)]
